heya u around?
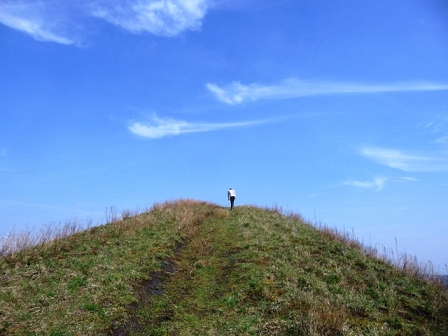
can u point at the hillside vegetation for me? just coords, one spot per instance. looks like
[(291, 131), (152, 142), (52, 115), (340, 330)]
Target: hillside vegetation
[(194, 268)]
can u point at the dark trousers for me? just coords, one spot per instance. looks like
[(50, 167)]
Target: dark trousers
[(232, 200)]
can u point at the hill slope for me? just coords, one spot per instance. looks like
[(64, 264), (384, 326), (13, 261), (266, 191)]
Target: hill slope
[(193, 268)]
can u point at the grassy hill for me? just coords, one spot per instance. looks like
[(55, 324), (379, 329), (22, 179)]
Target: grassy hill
[(194, 268)]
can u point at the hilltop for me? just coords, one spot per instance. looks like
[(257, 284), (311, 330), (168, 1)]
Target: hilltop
[(194, 268)]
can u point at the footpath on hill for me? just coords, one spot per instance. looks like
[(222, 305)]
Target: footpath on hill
[(257, 272), (193, 268)]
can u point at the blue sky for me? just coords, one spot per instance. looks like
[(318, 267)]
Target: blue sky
[(336, 110)]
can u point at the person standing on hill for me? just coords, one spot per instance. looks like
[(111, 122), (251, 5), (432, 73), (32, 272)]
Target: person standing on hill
[(231, 195)]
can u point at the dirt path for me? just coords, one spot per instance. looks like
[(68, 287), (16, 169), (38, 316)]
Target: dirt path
[(201, 272), (146, 291)]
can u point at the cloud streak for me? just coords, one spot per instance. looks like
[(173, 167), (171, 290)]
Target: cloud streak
[(159, 17), (438, 127), (162, 127), (33, 19), (237, 93), (46, 206), (59, 20), (405, 161), (377, 183)]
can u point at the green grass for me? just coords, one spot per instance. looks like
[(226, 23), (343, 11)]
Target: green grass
[(193, 268)]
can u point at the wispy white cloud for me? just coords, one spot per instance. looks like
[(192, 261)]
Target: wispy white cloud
[(32, 18), (46, 206), (162, 127), (442, 139), (405, 179), (159, 17), (60, 20), (237, 93), (439, 123), (438, 127), (406, 161), (377, 183)]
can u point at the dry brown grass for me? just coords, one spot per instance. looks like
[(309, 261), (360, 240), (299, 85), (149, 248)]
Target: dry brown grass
[(54, 236), (403, 262), (26, 244)]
